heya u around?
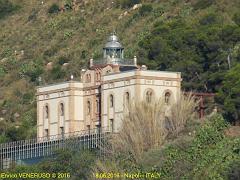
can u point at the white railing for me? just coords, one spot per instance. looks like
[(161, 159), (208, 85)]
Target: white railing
[(40, 147)]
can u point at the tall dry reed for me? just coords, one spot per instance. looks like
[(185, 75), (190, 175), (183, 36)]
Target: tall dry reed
[(146, 126)]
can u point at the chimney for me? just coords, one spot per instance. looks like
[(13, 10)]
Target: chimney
[(91, 62), (135, 60)]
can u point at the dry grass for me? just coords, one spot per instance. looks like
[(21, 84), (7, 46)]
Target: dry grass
[(147, 126)]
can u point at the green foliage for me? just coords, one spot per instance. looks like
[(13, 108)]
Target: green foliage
[(199, 52), (229, 94), (208, 156), (202, 4), (145, 9), (233, 171), (54, 8), (208, 19), (68, 34), (77, 163), (236, 18), (2, 72), (7, 8), (57, 72), (32, 69), (211, 132), (3, 139), (15, 133)]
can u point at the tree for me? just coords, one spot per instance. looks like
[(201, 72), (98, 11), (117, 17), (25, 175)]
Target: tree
[(229, 94)]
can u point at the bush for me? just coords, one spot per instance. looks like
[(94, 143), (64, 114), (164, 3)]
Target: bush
[(62, 60), (6, 8), (208, 19), (202, 4), (127, 3), (57, 73), (32, 70), (145, 9), (234, 171), (54, 8), (2, 72), (236, 18)]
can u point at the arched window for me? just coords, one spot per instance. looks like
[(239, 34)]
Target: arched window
[(111, 125), (97, 106), (111, 100), (46, 112), (99, 76), (61, 109), (88, 107), (127, 97), (149, 95), (167, 97), (89, 78)]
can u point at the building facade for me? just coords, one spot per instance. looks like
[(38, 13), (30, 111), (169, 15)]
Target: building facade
[(99, 99)]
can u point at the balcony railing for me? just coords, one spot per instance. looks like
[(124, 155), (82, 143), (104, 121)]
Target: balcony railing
[(117, 61)]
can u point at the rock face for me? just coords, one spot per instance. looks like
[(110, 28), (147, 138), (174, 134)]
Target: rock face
[(49, 66), (136, 6), (16, 115)]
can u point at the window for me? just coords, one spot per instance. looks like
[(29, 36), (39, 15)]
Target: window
[(61, 109), (88, 129), (98, 128), (88, 78), (46, 133), (88, 107), (98, 76), (46, 112), (149, 95), (97, 106), (62, 131), (111, 125), (127, 97), (111, 100), (167, 97)]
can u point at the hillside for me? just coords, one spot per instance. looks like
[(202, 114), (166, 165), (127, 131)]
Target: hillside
[(200, 38)]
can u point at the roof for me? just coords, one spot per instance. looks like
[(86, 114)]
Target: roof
[(113, 42)]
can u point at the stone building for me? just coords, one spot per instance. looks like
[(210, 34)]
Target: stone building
[(98, 100)]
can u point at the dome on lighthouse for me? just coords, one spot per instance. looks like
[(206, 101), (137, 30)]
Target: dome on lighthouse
[(113, 42)]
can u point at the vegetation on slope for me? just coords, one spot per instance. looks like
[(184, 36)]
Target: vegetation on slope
[(197, 151), (198, 38)]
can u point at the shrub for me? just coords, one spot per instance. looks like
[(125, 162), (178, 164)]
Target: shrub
[(57, 73), (208, 19), (54, 8), (202, 4), (145, 9), (234, 171), (128, 3), (6, 8), (62, 60), (32, 70), (236, 18), (2, 72), (146, 126)]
